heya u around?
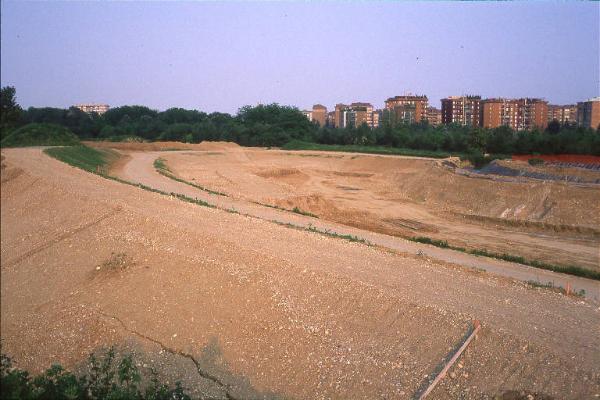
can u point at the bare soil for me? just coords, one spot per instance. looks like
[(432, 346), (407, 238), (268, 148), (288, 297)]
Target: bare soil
[(240, 307), (555, 222)]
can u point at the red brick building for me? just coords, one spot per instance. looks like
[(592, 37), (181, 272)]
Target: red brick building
[(461, 110), (406, 109)]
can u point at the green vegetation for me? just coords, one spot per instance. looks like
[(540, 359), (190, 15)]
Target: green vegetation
[(106, 378), (325, 232), (87, 158), (302, 212), (276, 125), (565, 269), (434, 242), (294, 210), (159, 163), (352, 148), (551, 286), (162, 169), (535, 161), (39, 135)]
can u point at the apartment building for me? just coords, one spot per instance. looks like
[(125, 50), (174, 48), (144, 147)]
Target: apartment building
[(434, 116), (340, 115), (308, 114), (355, 114), (319, 114), (564, 114), (93, 108), (331, 119), (408, 109), (588, 113), (518, 114), (462, 110)]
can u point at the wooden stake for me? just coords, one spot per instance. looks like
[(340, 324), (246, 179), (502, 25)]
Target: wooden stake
[(442, 374)]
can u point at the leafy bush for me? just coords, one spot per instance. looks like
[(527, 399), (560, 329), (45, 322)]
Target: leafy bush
[(535, 161), (107, 378), (40, 135)]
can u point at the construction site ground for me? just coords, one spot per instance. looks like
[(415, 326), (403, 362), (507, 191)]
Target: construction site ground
[(239, 306)]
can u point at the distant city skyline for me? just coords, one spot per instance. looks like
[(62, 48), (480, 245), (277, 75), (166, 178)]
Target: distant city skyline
[(222, 56)]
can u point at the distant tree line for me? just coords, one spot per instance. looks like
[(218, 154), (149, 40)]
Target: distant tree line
[(275, 125)]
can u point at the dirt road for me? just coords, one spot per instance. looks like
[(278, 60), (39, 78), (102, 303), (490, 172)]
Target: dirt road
[(240, 307)]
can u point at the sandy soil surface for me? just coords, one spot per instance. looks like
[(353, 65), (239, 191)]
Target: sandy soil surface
[(239, 307), (550, 221)]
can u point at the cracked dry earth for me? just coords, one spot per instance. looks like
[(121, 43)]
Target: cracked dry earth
[(238, 307)]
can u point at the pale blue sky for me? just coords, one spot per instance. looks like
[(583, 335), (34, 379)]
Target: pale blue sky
[(221, 56)]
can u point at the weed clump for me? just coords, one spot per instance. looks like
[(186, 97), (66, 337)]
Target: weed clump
[(116, 262), (106, 378)]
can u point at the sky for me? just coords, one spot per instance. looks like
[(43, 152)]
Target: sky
[(222, 56)]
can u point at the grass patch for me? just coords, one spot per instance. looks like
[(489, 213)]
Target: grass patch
[(159, 163), (434, 242), (352, 148), (40, 135), (161, 168), (87, 158), (535, 161), (550, 286), (294, 210), (326, 232), (565, 269)]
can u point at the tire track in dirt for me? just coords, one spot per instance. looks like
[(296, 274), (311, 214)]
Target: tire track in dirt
[(59, 239)]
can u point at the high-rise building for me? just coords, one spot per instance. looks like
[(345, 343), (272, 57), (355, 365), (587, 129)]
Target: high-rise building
[(331, 119), (355, 114), (406, 109), (434, 116), (340, 115), (563, 114), (588, 113), (361, 113), (93, 108), (462, 110), (518, 114), (319, 114)]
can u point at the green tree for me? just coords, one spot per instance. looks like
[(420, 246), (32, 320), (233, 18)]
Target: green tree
[(10, 111)]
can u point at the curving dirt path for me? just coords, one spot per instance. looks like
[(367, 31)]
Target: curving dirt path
[(139, 168), (240, 307)]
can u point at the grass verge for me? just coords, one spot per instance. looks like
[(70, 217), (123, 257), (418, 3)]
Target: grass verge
[(352, 148), (161, 168), (565, 269), (293, 210), (552, 287), (87, 158)]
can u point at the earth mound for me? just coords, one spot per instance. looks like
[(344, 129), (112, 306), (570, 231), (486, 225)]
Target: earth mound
[(40, 135)]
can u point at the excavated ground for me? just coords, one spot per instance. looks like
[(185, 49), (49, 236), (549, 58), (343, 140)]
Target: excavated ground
[(555, 222), (239, 307)]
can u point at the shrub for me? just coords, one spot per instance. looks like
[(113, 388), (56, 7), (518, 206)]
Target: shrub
[(535, 161), (107, 378), (40, 135)]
